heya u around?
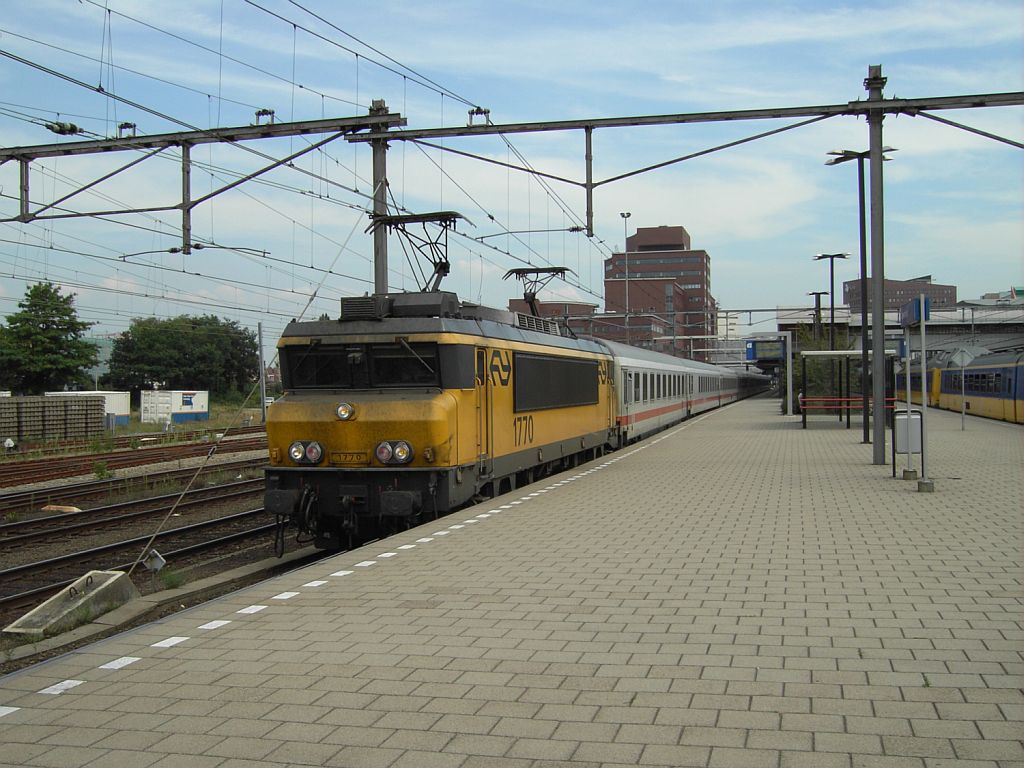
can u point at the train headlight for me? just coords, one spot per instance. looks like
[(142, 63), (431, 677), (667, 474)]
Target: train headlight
[(394, 452), (346, 411), (402, 452), (384, 452), (309, 452)]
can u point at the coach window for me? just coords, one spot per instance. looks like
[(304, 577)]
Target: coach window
[(636, 386)]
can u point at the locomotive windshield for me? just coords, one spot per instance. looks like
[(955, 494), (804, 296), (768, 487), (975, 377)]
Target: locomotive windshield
[(360, 366)]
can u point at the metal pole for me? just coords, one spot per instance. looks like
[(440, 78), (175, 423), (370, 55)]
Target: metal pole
[(863, 301), (849, 400), (963, 398), (186, 198), (874, 83), (803, 391), (924, 398), (788, 336), (263, 373), (380, 206), (907, 339), (832, 326), (23, 176), (588, 132), (831, 304), (625, 253)]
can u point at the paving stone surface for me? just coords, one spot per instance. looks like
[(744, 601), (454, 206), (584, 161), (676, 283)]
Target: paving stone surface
[(734, 592)]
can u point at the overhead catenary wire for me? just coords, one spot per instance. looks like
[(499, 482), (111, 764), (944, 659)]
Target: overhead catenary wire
[(416, 80)]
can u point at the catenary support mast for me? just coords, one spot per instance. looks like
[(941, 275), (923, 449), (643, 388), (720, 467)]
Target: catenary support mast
[(874, 84)]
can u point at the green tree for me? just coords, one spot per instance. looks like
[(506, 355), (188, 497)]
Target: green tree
[(41, 347), (185, 353)]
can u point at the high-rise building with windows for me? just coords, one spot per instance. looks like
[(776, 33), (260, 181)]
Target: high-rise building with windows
[(661, 286)]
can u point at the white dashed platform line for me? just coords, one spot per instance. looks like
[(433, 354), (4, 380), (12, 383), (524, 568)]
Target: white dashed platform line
[(407, 546), (366, 563), (124, 661), (342, 573), (456, 527), (4, 711), (316, 583), (385, 555), (170, 641), (284, 596), (217, 624), (440, 533), (252, 609), (424, 540), (66, 685)]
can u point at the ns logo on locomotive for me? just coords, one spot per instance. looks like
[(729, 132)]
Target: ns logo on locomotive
[(411, 405)]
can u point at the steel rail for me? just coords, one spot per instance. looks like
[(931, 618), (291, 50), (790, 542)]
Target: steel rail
[(194, 497), (18, 501)]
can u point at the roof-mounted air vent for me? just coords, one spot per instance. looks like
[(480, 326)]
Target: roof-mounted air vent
[(365, 307), (540, 324)]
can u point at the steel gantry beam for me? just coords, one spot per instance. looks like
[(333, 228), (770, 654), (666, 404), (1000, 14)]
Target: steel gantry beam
[(378, 119), (874, 105)]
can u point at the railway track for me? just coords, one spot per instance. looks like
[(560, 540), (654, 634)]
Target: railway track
[(62, 526), (29, 584), (17, 504), (35, 470), (32, 450)]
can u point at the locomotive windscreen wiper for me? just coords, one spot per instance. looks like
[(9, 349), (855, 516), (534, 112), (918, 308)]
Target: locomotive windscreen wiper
[(412, 351)]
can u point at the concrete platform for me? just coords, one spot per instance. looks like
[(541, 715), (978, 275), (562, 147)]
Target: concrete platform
[(734, 592)]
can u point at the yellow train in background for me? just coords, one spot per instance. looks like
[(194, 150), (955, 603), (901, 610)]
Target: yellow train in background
[(992, 386)]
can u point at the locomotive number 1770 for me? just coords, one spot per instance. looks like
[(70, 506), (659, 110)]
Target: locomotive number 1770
[(522, 429)]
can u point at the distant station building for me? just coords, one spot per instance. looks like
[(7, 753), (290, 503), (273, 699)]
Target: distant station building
[(994, 322), (899, 292)]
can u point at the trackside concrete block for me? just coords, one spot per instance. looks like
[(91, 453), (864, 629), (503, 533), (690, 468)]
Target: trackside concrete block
[(90, 596)]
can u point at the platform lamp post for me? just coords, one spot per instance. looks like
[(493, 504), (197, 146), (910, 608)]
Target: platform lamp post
[(625, 252), (831, 293), (831, 310), (817, 312), (842, 156)]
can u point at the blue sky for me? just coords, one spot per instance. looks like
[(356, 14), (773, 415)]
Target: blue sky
[(953, 200)]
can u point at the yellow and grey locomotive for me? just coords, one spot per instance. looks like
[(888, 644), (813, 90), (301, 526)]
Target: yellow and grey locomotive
[(411, 405)]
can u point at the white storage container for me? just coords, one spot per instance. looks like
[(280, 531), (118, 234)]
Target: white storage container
[(116, 404), (160, 406)]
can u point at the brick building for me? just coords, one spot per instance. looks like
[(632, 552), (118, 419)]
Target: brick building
[(663, 287), (899, 292)]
